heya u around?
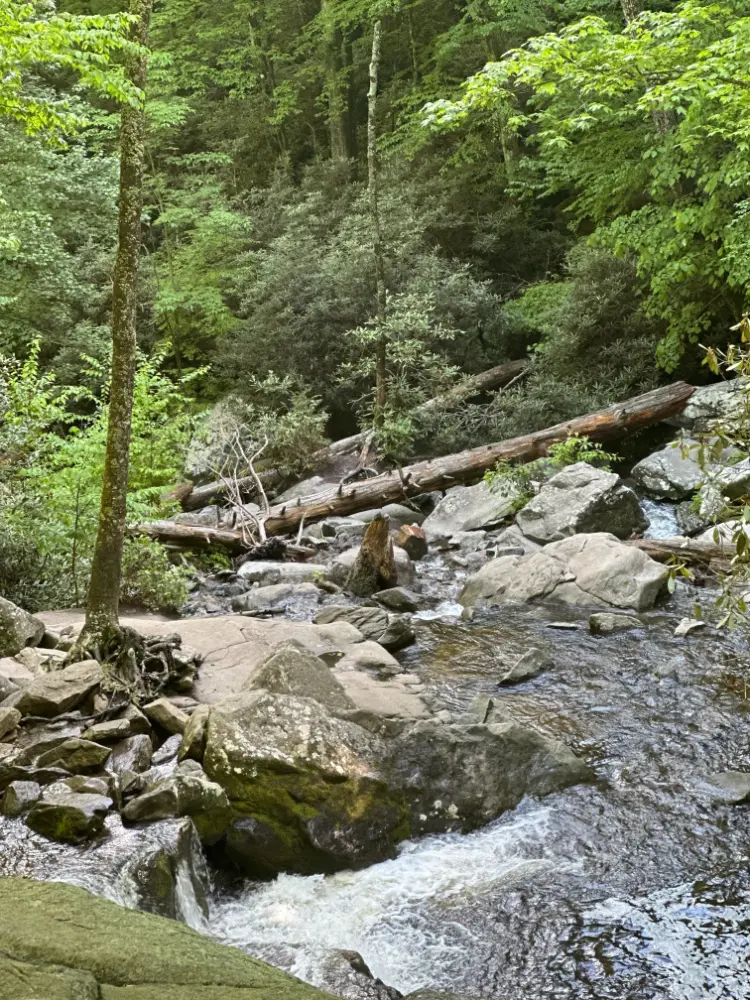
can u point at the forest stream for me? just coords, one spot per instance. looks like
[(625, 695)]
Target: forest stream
[(635, 886)]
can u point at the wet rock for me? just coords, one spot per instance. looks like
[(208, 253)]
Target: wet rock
[(168, 751), (604, 623), (17, 629), (369, 656), (9, 719), (279, 598), (583, 570), (139, 724), (131, 756), (398, 514), (19, 797), (345, 974), (274, 573), (379, 700), (343, 563), (70, 818), (89, 784), (65, 931), (412, 540), (107, 732), (689, 520), (580, 500), (294, 671), (188, 792), (390, 631), (672, 473), (732, 787), (52, 694), (194, 737), (167, 715), (304, 783), (468, 508), (76, 756), (530, 665), (399, 599)]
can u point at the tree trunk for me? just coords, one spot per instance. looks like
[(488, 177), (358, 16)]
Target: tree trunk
[(195, 497), (374, 568), (381, 347), (464, 467), (104, 590), (688, 550), (337, 88)]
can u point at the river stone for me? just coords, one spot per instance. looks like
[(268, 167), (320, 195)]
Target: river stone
[(729, 483), (194, 737), (52, 694), (390, 631), (187, 792), (689, 520), (580, 500), (343, 563), (399, 599), (583, 570), (9, 719), (398, 514), (167, 715), (305, 785), (72, 818), (20, 796), (107, 732), (369, 656), (531, 664), (722, 405), (672, 473), (412, 540), (279, 597), (294, 671), (345, 974), (469, 508), (134, 956), (267, 573), (732, 787), (75, 755), (87, 783), (131, 756), (604, 623), (17, 628)]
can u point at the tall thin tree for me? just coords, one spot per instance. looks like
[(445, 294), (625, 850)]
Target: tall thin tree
[(102, 610), (381, 345)]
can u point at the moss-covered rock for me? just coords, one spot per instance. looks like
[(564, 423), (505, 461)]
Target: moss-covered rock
[(59, 937)]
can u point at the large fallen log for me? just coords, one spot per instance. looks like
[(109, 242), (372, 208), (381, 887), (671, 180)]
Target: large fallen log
[(687, 550), (440, 473), (196, 497)]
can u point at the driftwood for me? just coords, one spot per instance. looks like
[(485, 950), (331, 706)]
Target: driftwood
[(437, 474), (687, 550), (195, 497)]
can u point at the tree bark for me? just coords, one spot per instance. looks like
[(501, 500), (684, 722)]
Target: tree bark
[(337, 87), (374, 568), (464, 467), (688, 550), (104, 589), (381, 346)]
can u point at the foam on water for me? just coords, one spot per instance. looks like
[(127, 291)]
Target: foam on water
[(388, 912)]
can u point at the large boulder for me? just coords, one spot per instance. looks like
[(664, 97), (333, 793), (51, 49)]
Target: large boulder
[(393, 632), (589, 570), (296, 671), (675, 472), (72, 817), (280, 597), (268, 573), (729, 483), (17, 629), (578, 500), (469, 508), (61, 943), (722, 405), (53, 694), (305, 785)]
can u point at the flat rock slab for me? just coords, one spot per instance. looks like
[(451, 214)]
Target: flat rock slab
[(389, 699), (233, 647)]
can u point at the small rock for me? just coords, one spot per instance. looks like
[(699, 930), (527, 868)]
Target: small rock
[(398, 514), (107, 732), (165, 714), (139, 724), (70, 818), (564, 626), (19, 797), (412, 540), (9, 719), (75, 756), (733, 787), (167, 751), (53, 694), (17, 629), (85, 783), (188, 792), (688, 625), (399, 599), (604, 623), (194, 739), (131, 756), (531, 664)]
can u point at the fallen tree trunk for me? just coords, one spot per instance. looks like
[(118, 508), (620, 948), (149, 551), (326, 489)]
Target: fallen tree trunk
[(196, 497), (684, 549), (440, 473)]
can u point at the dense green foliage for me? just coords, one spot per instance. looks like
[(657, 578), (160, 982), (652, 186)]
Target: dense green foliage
[(555, 183)]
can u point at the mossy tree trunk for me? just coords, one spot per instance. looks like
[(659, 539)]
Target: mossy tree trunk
[(104, 590), (381, 346)]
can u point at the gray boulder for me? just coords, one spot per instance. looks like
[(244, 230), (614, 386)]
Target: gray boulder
[(399, 599), (579, 500), (345, 974), (9, 719), (267, 573), (131, 756), (17, 629), (167, 715), (187, 792), (723, 404), (294, 671), (397, 514), (392, 632), (70, 818), (531, 664), (469, 508), (307, 487), (52, 694), (279, 597), (674, 472), (75, 755), (210, 517), (111, 731), (596, 570), (604, 623), (729, 483), (19, 797)]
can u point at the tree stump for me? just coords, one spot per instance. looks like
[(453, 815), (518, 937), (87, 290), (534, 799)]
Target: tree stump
[(374, 568)]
